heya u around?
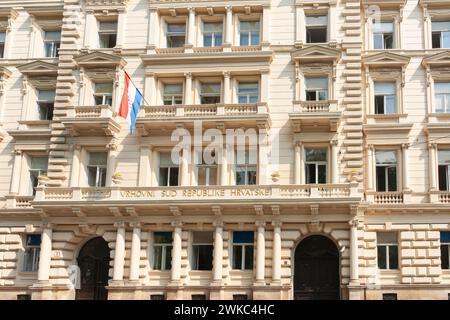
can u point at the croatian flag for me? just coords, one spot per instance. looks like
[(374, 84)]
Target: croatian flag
[(130, 103)]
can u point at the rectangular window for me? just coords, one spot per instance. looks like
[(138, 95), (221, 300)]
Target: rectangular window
[(316, 89), (173, 94), (246, 167), (176, 35), (316, 165), (97, 169), (444, 170), (107, 34), (206, 170), (103, 93), (442, 97), (157, 297), (2, 44), (383, 35), (387, 250), (198, 297), (249, 33), (168, 171), (316, 29), (385, 97), (386, 170), (212, 34), (210, 93), (32, 250), (240, 297), (162, 251), (52, 40), (445, 249), (45, 103), (38, 167), (243, 250), (202, 251), (441, 34), (389, 296), (248, 92)]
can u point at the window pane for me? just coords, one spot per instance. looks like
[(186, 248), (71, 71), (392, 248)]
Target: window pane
[(445, 237), (379, 104), (205, 257), (440, 25), (173, 179), (383, 27), (165, 159), (443, 183), (240, 176), (378, 41), (444, 257), (2, 36), (316, 20), (442, 87), (381, 179), (316, 154), (311, 95), (176, 28), (249, 26), (243, 237), (323, 95), (207, 40), (381, 257), (390, 104), (52, 36), (393, 257), (173, 88), (212, 27), (436, 39), (311, 173), (387, 238), (388, 41), (248, 257), (385, 88), (237, 257), (322, 175), (316, 35), (163, 177), (46, 95), (251, 176), (106, 87), (157, 257), (210, 88), (92, 176), (392, 179), (39, 163), (244, 39), (163, 237), (316, 83), (98, 158), (34, 240), (386, 157), (446, 40), (248, 88), (255, 39), (108, 26)]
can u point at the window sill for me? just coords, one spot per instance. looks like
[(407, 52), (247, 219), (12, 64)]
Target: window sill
[(35, 122), (27, 274), (375, 118)]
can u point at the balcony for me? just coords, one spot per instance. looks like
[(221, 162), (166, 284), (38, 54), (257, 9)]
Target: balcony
[(442, 197), (315, 116), (386, 198), (167, 118), (91, 120)]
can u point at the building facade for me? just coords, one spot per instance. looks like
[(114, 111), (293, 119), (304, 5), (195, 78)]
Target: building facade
[(338, 189)]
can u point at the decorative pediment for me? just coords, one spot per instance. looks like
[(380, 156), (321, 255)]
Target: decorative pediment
[(437, 60), (105, 6), (385, 3), (39, 68), (315, 53), (386, 59), (100, 60), (53, 12)]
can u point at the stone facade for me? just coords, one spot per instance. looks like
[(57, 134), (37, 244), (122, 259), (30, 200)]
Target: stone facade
[(282, 208)]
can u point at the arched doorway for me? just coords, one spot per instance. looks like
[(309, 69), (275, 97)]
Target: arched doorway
[(93, 261), (316, 273)]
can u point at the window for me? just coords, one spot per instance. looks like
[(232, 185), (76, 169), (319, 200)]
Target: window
[(387, 250), (107, 34), (173, 94), (32, 250), (207, 171), (198, 297), (103, 93), (168, 171), (45, 103), (316, 89), (51, 43), (248, 92), (97, 169), (2, 44), (24, 297), (389, 296), (38, 167), (243, 250), (442, 97), (383, 35), (209, 93), (316, 166), (202, 250), (176, 35), (385, 97), (157, 297), (246, 167), (162, 251), (440, 34), (444, 170), (445, 249), (212, 34), (386, 170), (240, 297), (249, 33), (316, 29)]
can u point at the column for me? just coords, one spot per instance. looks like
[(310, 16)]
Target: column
[(265, 40), (153, 31), (144, 167), (370, 167), (184, 167), (432, 150), (354, 263), (45, 254), (265, 75), (276, 251), (15, 182), (218, 252), (334, 165), (89, 29), (299, 25), (188, 89), (121, 22), (111, 165), (119, 252), (75, 174), (149, 88), (332, 23), (260, 251), (176, 252), (223, 166), (228, 28), (405, 166), (191, 29), (32, 42), (226, 88), (135, 251), (297, 163)]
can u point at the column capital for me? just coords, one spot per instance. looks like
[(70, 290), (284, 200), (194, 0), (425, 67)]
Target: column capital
[(355, 222), (176, 224), (229, 8), (218, 223), (226, 74), (17, 152), (432, 145), (119, 224), (112, 146), (334, 142), (297, 143), (277, 223), (135, 224), (371, 147), (47, 225), (405, 145), (191, 9), (188, 75), (260, 223)]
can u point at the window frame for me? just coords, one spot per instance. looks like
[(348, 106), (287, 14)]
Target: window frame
[(447, 165), (388, 246), (211, 81), (34, 173), (445, 245), (246, 167), (169, 168), (182, 20), (99, 183), (212, 20), (35, 254), (108, 33), (104, 96), (383, 36), (395, 95), (247, 96), (166, 249), (243, 246), (172, 96), (194, 261), (316, 91), (55, 44), (317, 164), (386, 170), (441, 32), (48, 104), (317, 27), (248, 18), (446, 109)]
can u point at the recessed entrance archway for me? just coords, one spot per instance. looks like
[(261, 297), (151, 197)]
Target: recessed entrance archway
[(316, 269), (93, 261)]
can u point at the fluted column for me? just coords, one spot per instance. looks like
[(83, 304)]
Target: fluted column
[(276, 251), (218, 252), (188, 88), (75, 174), (354, 263), (119, 252), (260, 252), (45, 255), (135, 251), (15, 179), (176, 252)]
